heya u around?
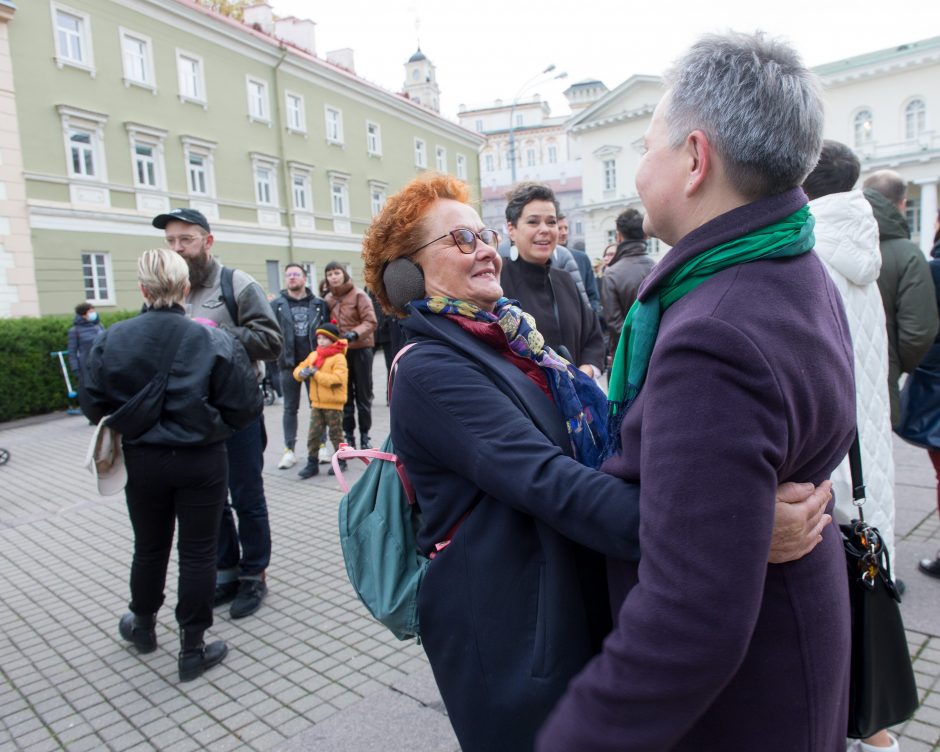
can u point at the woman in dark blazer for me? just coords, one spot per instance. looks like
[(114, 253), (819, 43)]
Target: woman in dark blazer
[(177, 468)]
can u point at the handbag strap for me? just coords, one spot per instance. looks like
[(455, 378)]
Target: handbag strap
[(858, 480), (172, 345)]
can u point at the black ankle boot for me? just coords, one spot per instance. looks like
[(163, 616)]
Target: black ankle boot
[(365, 442), (351, 440), (196, 657), (140, 630), (310, 469)]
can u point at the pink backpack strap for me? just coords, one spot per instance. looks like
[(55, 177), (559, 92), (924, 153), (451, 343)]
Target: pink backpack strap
[(393, 369)]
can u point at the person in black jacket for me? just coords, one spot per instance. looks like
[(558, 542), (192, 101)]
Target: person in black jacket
[(299, 312), (177, 470), (82, 334)]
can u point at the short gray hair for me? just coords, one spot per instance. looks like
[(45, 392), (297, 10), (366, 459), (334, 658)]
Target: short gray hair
[(759, 106), (889, 184), (164, 275)]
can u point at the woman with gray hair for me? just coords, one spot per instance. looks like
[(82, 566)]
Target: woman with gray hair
[(176, 465), (714, 648)]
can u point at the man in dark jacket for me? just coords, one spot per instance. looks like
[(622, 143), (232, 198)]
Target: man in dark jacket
[(905, 283), (623, 275), (584, 265), (82, 334), (243, 311), (299, 312)]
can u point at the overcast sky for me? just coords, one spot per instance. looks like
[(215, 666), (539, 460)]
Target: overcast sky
[(489, 49)]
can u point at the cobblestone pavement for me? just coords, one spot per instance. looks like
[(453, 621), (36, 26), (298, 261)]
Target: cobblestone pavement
[(310, 670)]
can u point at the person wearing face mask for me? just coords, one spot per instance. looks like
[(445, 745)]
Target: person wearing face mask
[(564, 318), (82, 334)]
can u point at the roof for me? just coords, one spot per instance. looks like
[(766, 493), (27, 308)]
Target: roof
[(879, 56), (417, 57)]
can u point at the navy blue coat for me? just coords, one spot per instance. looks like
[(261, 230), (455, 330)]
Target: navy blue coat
[(514, 607)]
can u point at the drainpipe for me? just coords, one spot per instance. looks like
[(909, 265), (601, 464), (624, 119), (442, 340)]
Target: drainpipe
[(285, 182)]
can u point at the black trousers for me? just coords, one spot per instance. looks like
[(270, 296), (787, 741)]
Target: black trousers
[(166, 484), (358, 391)]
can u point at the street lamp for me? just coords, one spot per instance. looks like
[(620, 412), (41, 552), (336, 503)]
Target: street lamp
[(512, 113)]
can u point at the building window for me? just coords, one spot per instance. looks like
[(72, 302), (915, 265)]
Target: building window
[(72, 38), (519, 120), (478, 125), (376, 198), (84, 142), (912, 213), (340, 198), (296, 116), (147, 156), (552, 154), (374, 139), (440, 159), (862, 126), (461, 167), (915, 118), (258, 108), (578, 228), (334, 125), (421, 153), (200, 172), (301, 192), (97, 278), (610, 175), (530, 157), (82, 153), (488, 163), (137, 55), (611, 236), (145, 165), (265, 172), (192, 84)]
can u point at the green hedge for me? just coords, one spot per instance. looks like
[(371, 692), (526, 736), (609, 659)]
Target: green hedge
[(31, 380)]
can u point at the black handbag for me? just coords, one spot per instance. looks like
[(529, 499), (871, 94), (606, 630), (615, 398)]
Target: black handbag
[(882, 690), (142, 411)]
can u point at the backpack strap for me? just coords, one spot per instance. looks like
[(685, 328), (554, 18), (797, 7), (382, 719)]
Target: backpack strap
[(227, 284), (393, 369)]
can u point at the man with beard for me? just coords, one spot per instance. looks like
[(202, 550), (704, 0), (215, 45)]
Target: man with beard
[(244, 313), (300, 313)]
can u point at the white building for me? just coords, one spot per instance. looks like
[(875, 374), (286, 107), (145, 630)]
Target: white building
[(884, 104)]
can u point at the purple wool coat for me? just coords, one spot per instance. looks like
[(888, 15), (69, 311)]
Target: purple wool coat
[(750, 384)]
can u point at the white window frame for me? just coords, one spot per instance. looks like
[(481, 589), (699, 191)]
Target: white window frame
[(206, 151), (339, 193), (296, 112), (378, 194), (609, 169), (421, 153), (860, 135), (334, 124), (64, 53), (489, 162), (146, 79), (265, 190), (478, 125), (440, 158), (259, 105), (99, 264), (300, 178), (552, 154), (154, 138), (915, 121), (530, 156), (199, 95), (75, 121), (373, 138), (461, 167)]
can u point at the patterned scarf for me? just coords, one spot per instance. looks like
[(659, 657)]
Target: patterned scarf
[(791, 236), (581, 402)]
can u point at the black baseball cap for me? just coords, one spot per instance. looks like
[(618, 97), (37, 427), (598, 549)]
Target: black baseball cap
[(190, 216)]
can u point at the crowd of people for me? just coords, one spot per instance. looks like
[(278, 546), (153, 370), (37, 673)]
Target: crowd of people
[(570, 603)]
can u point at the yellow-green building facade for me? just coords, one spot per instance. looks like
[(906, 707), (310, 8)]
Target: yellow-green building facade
[(128, 108)]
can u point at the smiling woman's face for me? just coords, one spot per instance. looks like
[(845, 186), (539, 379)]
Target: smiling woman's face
[(473, 277), (536, 232)]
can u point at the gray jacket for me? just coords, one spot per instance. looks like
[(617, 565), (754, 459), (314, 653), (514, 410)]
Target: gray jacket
[(622, 278)]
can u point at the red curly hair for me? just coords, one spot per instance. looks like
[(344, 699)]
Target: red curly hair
[(399, 227)]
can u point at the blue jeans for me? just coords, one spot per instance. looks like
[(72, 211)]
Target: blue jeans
[(245, 461), (291, 390)]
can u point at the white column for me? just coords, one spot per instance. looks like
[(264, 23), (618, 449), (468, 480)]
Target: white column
[(928, 212)]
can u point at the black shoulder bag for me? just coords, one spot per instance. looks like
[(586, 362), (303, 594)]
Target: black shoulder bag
[(882, 691), (142, 411)]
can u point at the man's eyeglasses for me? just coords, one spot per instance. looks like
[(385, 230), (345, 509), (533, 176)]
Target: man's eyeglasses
[(183, 239), (466, 240)]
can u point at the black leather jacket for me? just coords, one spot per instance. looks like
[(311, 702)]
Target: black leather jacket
[(211, 391), (319, 314)]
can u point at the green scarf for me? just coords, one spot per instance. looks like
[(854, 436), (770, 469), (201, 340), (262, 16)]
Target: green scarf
[(791, 236)]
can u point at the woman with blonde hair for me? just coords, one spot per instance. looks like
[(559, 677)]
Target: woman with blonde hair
[(176, 464)]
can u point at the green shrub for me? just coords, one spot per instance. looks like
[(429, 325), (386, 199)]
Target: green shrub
[(31, 380)]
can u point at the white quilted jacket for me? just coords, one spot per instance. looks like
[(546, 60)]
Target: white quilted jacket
[(847, 242)]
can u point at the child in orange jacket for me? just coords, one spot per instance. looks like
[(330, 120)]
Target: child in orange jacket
[(326, 368)]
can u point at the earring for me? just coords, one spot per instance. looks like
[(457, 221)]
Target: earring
[(513, 252), (404, 282)]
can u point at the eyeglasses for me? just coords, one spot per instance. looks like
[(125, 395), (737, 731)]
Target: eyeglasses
[(466, 240), (183, 239)]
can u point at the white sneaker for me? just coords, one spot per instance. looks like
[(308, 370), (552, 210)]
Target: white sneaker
[(324, 455), (288, 460)]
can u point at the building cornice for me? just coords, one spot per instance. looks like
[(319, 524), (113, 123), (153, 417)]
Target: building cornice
[(854, 73), (619, 117)]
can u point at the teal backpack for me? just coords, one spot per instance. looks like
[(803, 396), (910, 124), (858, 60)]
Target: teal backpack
[(378, 523)]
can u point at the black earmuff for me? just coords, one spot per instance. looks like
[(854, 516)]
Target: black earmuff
[(404, 282)]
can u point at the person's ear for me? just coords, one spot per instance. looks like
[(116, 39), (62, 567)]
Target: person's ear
[(143, 291), (699, 160), (404, 282)]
